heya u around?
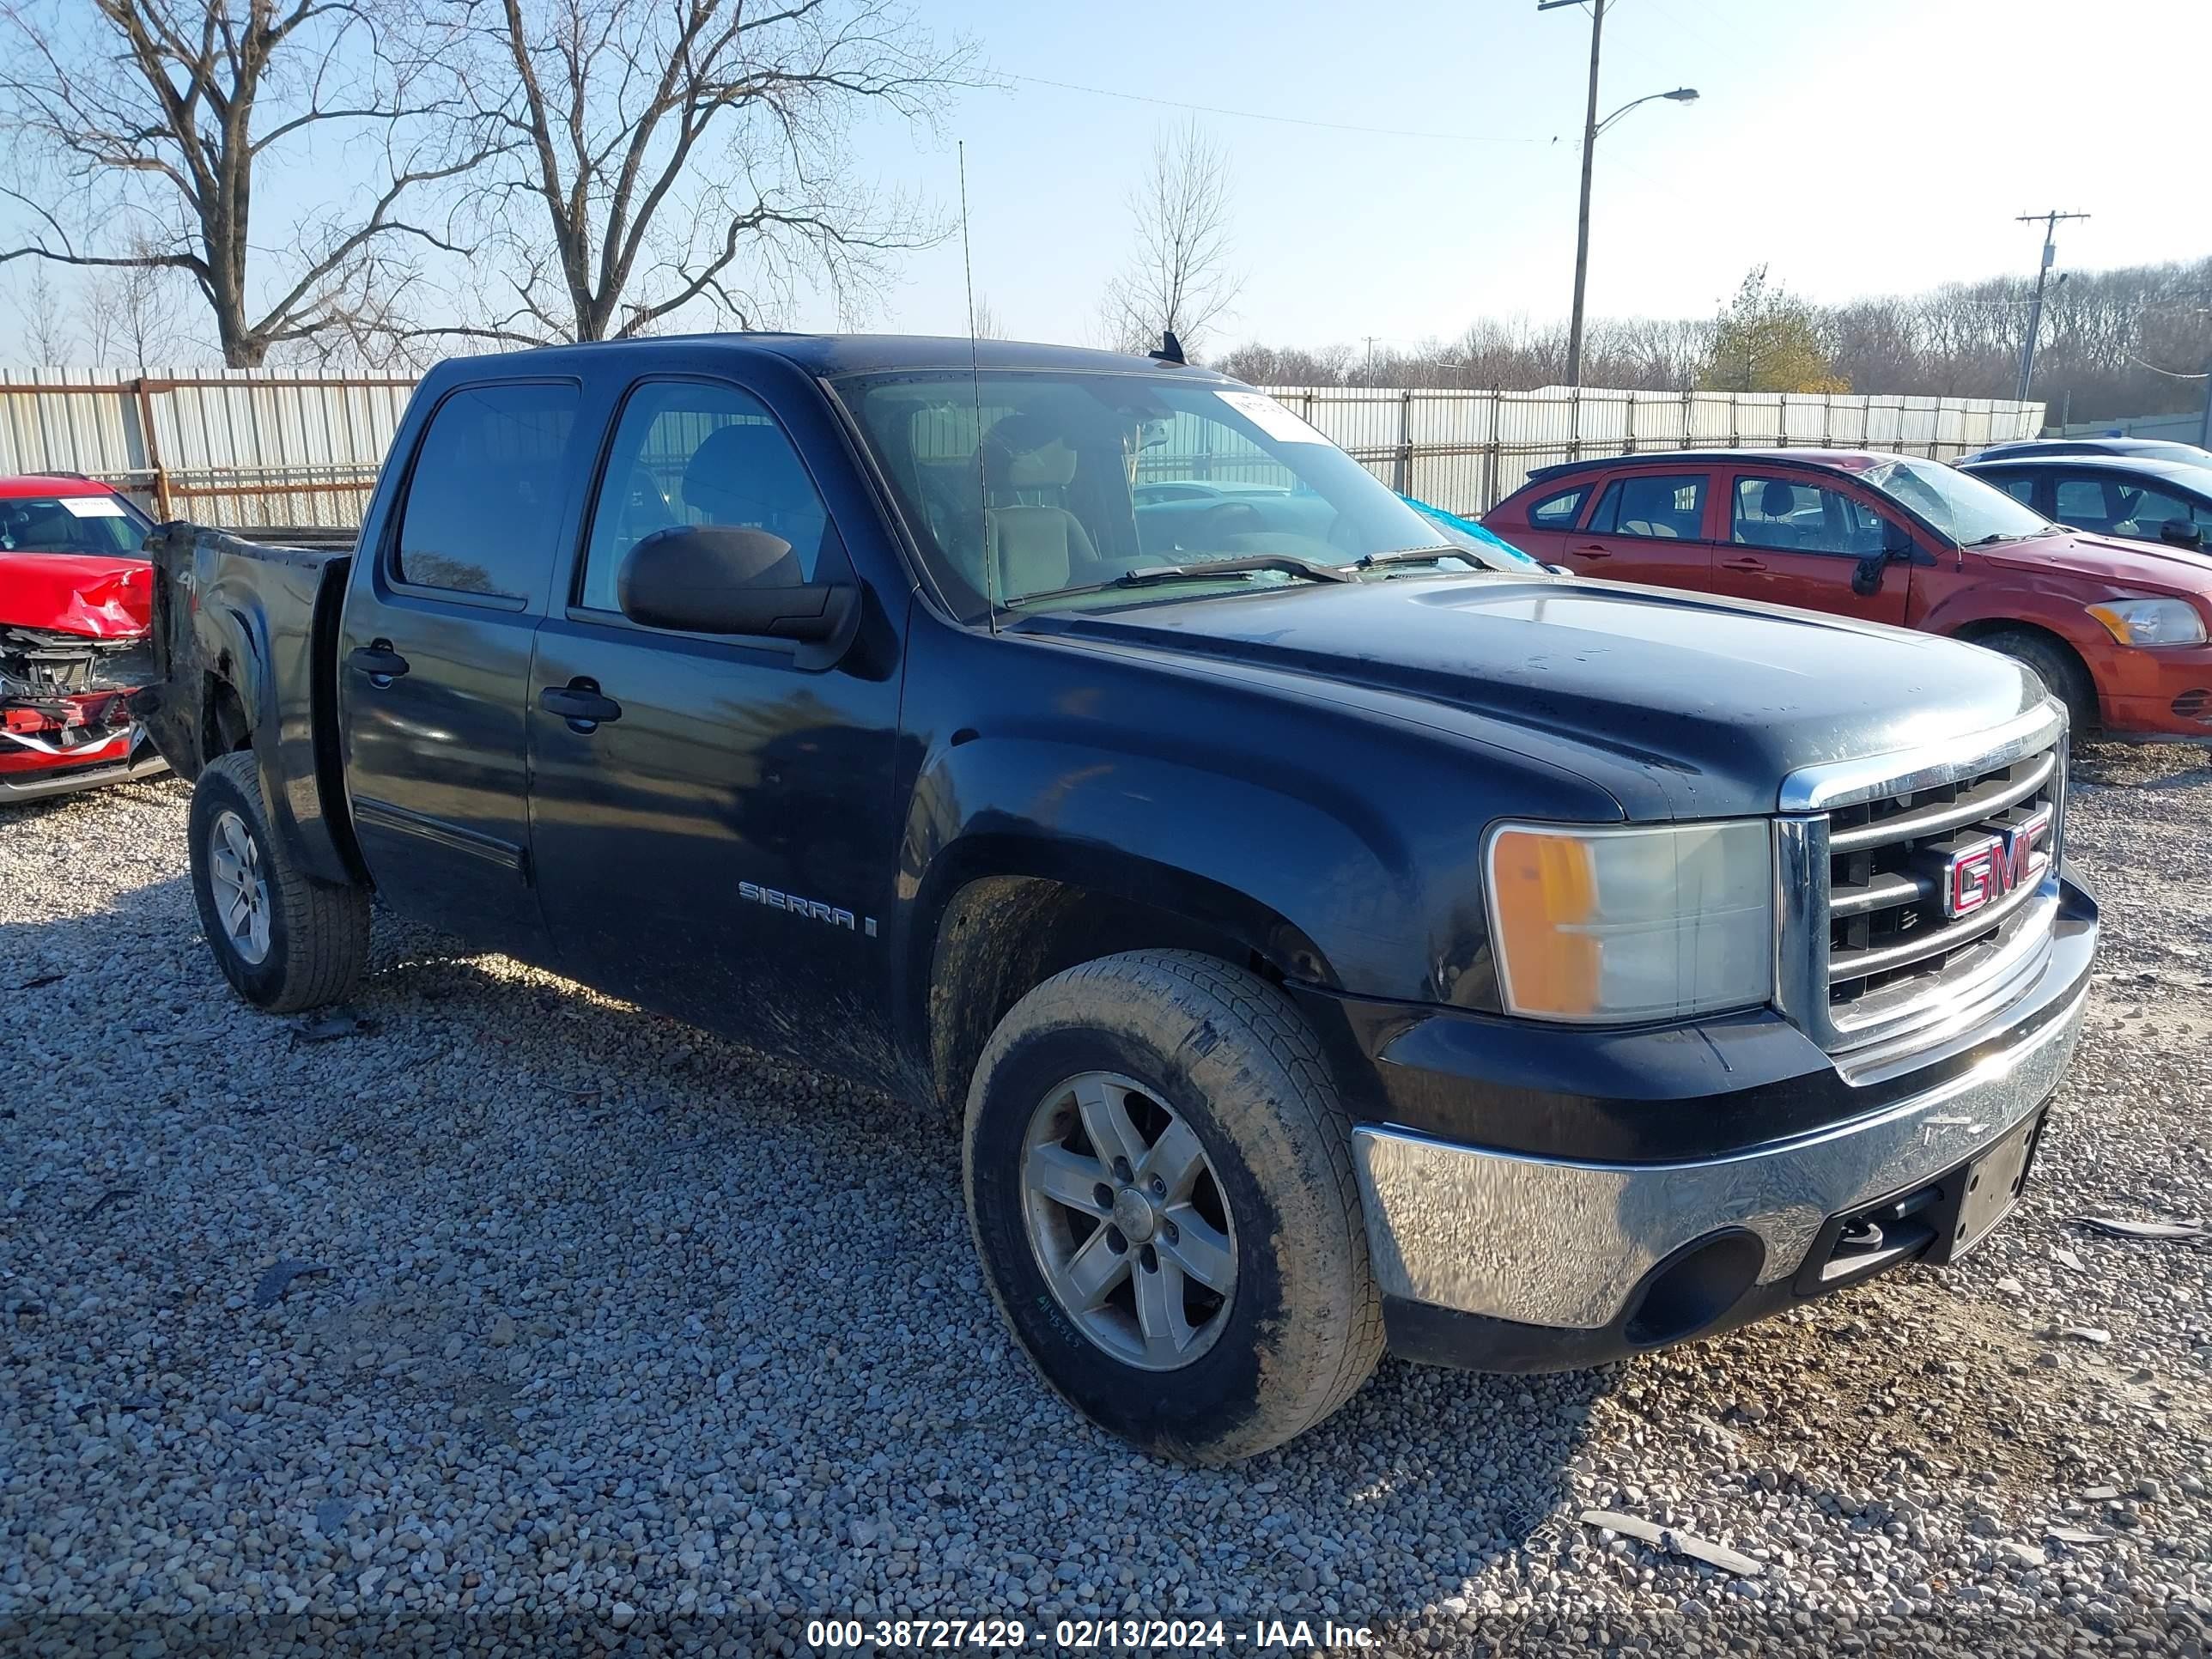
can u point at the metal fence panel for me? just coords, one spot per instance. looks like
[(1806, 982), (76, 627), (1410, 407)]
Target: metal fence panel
[(255, 448)]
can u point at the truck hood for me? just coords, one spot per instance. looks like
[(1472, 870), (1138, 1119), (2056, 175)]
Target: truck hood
[(1677, 704), (104, 598), (2109, 559)]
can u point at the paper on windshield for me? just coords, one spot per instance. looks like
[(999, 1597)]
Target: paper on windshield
[(1271, 417), (93, 507)]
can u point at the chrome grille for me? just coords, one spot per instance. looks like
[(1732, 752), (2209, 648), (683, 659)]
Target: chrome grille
[(1887, 924), (1870, 950)]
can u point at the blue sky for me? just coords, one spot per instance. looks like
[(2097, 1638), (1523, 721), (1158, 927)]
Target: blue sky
[(1881, 146)]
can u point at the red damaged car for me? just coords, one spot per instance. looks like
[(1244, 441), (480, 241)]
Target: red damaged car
[(75, 608)]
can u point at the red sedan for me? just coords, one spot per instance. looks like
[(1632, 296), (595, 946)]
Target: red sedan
[(2120, 630), (75, 608)]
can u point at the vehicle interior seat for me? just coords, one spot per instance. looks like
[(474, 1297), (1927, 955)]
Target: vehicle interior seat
[(1774, 527), (748, 474), (1037, 543)]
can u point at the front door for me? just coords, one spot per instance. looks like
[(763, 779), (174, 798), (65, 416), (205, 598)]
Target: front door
[(1646, 527), (723, 848), (434, 659), (1792, 541)]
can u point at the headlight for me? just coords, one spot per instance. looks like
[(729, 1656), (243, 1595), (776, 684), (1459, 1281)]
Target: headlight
[(2151, 622), (1603, 924)]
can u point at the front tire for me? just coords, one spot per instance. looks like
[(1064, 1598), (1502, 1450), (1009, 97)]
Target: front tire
[(2058, 667), (285, 941), (1160, 1185)]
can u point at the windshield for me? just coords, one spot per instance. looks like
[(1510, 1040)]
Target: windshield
[(71, 524), (1023, 484), (1966, 509)]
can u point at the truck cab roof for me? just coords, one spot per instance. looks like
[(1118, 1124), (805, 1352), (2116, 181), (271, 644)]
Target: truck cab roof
[(834, 355)]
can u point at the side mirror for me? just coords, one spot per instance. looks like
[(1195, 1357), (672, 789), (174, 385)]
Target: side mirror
[(2181, 533), (726, 579)]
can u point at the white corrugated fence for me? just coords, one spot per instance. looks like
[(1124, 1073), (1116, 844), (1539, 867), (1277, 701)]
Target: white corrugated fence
[(255, 447)]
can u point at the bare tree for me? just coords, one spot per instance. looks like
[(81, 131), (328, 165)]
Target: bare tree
[(46, 334), (1178, 278), (142, 129), (130, 317), (658, 153), (984, 322)]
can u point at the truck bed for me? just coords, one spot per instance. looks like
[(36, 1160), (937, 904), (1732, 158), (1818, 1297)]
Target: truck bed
[(245, 653)]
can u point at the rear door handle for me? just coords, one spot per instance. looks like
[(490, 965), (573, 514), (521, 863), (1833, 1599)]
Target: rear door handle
[(1591, 552), (378, 661), (1743, 564), (579, 702)]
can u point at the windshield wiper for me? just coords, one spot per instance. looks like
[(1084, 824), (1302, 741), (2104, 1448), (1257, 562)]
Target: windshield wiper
[(1150, 574), (1425, 556), (1288, 562)]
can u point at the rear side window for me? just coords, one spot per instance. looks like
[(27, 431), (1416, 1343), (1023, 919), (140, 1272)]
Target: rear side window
[(484, 503), (1666, 507), (1556, 511), (2020, 486)]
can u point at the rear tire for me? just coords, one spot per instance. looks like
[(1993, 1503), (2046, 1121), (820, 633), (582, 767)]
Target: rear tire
[(2057, 666), (1218, 1076), (285, 941)]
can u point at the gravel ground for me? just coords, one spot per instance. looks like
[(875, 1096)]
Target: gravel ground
[(604, 1334)]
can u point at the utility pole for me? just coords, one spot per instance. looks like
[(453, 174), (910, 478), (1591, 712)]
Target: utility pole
[(2050, 223), (1582, 219)]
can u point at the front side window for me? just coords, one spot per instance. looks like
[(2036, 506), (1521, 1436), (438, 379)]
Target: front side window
[(2142, 513), (71, 524), (1662, 506), (690, 452), (1788, 515), (1019, 485), (484, 505)]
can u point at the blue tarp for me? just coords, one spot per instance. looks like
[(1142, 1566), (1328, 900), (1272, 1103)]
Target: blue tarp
[(1468, 530)]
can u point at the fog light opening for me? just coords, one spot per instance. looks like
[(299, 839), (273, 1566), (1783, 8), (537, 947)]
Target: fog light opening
[(1700, 1282)]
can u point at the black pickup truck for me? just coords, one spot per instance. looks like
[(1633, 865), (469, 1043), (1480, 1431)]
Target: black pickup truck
[(1336, 939)]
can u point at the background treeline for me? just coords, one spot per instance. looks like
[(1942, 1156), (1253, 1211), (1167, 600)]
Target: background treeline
[(2131, 341)]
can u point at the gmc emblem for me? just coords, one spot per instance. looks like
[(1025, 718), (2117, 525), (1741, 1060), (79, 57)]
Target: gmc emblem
[(1981, 874)]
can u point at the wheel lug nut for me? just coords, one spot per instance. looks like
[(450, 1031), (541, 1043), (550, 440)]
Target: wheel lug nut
[(1169, 1231), (1159, 1187)]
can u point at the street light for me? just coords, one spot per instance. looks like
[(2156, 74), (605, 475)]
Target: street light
[(1591, 127), (1679, 95)]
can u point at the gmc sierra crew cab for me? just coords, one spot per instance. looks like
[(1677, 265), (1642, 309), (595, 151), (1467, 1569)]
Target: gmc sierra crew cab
[(1337, 938)]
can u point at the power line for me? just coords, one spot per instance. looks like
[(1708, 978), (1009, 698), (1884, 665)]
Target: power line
[(1284, 120)]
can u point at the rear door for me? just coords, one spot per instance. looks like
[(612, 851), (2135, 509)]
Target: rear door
[(1799, 538), (1547, 527), (723, 847), (1647, 527), (433, 659)]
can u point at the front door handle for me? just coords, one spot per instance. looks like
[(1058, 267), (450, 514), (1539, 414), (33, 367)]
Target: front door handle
[(1743, 564), (378, 661), (1591, 552), (579, 702)]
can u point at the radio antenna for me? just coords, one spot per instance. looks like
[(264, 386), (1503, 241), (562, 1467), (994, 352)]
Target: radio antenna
[(993, 586)]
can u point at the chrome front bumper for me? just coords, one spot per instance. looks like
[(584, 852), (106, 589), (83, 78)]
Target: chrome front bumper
[(1563, 1245)]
